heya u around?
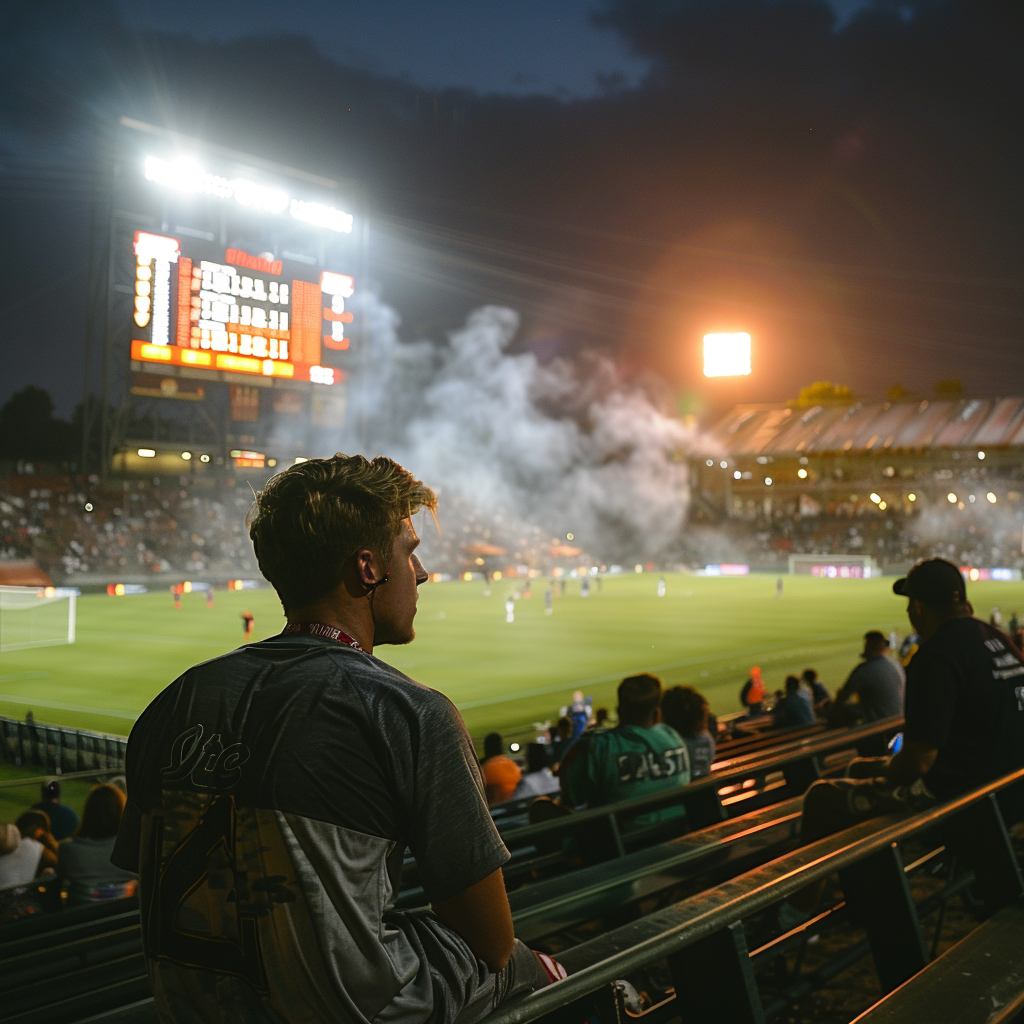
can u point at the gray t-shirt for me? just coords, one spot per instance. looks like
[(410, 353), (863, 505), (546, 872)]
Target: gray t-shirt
[(879, 683), (271, 796)]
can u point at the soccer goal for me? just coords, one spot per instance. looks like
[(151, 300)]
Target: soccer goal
[(36, 617), (834, 566)]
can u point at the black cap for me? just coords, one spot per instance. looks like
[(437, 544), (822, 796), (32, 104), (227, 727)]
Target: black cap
[(934, 581)]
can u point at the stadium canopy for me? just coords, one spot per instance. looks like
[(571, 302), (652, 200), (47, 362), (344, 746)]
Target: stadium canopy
[(23, 574), (865, 427)]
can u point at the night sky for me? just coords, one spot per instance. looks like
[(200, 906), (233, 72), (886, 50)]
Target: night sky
[(842, 180)]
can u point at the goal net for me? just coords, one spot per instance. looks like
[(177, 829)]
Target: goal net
[(36, 617), (834, 566)]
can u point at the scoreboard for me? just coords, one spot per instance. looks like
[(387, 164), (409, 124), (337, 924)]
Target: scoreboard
[(224, 313)]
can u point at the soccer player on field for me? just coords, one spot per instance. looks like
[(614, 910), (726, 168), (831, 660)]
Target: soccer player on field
[(247, 621), (274, 791)]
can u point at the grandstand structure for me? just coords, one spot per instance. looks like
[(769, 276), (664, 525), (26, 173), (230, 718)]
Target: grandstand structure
[(888, 465)]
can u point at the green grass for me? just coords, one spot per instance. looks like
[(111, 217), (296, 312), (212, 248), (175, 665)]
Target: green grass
[(705, 631)]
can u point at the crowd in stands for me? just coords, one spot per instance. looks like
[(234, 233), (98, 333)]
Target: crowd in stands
[(48, 843), (128, 529), (668, 737)]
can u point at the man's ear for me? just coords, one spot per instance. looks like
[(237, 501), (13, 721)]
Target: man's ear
[(367, 567)]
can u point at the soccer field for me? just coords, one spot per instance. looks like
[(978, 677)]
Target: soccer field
[(705, 631)]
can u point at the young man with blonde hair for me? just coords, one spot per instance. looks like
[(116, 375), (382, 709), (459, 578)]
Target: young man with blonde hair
[(273, 793)]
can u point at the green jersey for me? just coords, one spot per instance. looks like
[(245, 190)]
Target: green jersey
[(608, 765)]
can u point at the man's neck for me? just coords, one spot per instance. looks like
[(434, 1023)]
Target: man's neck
[(354, 622)]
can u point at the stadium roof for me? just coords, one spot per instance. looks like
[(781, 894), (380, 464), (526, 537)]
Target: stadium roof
[(870, 427)]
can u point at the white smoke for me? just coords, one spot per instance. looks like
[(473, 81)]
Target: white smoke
[(545, 449)]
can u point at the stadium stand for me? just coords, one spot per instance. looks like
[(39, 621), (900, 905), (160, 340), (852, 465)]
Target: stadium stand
[(703, 939), (737, 787), (841, 478)]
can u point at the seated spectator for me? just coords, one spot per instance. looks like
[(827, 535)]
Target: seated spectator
[(35, 825), (877, 683), (686, 710), (538, 779), (501, 773), (641, 755), (561, 740), (753, 693), (821, 697), (63, 820), (600, 719), (19, 858), (793, 710), (25, 849), (84, 861)]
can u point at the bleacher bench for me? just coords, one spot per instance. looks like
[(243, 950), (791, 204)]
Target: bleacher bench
[(980, 980)]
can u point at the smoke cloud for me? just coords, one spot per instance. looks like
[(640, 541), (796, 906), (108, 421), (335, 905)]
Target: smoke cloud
[(521, 451)]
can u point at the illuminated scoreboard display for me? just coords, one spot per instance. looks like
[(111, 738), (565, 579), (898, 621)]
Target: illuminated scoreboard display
[(202, 307)]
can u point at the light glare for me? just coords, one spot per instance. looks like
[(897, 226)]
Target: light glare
[(727, 355)]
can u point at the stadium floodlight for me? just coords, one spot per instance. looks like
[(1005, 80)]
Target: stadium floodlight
[(186, 456), (709, 463), (768, 481), (147, 453), (727, 355), (186, 175), (802, 473), (204, 458), (951, 498), (992, 499), (876, 498), (723, 464), (911, 497), (882, 505), (736, 474), (981, 455)]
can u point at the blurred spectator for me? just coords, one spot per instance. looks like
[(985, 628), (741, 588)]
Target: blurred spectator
[(580, 711), (793, 710), (641, 755), (600, 719), (686, 711), (63, 820), (84, 861), (820, 694), (538, 779), (877, 682), (501, 773), (19, 857), (35, 853), (561, 739), (753, 693)]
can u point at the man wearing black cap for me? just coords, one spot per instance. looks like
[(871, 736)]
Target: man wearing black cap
[(63, 820), (964, 720), (964, 714)]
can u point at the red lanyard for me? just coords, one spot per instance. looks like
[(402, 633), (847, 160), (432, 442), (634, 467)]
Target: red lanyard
[(323, 630)]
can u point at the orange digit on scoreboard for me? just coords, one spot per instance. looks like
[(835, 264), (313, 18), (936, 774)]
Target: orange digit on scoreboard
[(305, 323), (183, 333)]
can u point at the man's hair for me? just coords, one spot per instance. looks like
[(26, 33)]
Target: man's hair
[(809, 675), (51, 790), (309, 519), (685, 710), (493, 745), (639, 696), (101, 815), (792, 684), (876, 636), (30, 821)]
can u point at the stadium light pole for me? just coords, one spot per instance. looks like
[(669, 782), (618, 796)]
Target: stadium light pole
[(727, 354)]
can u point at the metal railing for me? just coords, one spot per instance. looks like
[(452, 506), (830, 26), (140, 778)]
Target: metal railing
[(715, 971), (59, 749)]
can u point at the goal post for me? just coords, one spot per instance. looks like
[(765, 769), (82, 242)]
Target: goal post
[(834, 566), (36, 617)]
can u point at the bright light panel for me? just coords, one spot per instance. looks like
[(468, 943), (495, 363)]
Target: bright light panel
[(727, 355)]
